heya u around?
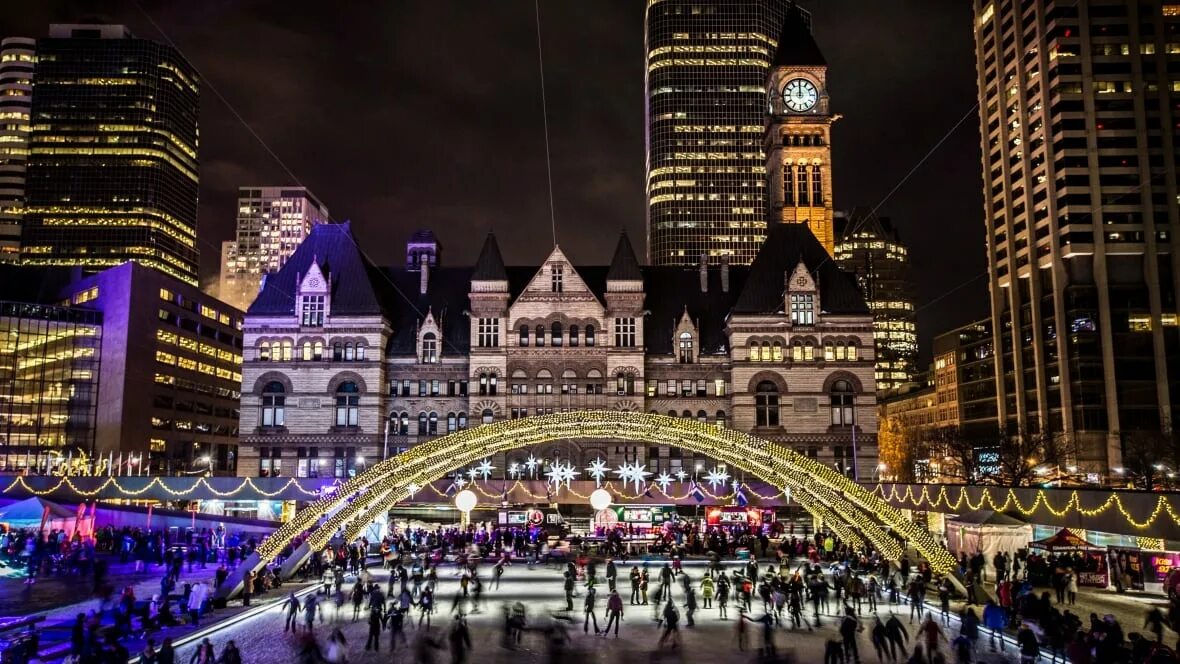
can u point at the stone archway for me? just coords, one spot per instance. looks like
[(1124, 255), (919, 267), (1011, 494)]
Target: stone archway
[(854, 513)]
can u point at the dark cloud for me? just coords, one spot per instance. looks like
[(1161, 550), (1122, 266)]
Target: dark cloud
[(402, 115)]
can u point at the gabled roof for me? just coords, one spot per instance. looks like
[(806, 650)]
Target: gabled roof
[(796, 46), (624, 266), (333, 248), (490, 264), (785, 246)]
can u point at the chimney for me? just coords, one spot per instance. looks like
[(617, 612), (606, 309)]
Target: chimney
[(725, 274), (704, 273), (424, 279)]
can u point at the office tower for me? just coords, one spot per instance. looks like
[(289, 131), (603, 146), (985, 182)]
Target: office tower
[(112, 170), (17, 55), (798, 136), (1077, 115), (870, 247), (705, 83), (272, 221)]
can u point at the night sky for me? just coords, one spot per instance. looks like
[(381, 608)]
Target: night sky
[(427, 114)]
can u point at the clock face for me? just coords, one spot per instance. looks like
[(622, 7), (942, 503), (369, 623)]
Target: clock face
[(799, 95)]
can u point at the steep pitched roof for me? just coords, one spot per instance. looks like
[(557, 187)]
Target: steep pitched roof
[(446, 299), (333, 248), (785, 246), (490, 264), (624, 266), (796, 46)]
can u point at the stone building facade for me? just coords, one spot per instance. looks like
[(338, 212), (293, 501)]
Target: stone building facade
[(373, 360)]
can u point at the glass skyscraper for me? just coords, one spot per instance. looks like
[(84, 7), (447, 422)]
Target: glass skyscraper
[(112, 169), (705, 84), (17, 55)]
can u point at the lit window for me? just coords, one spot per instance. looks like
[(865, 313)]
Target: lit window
[(802, 308), (312, 310), (429, 348)]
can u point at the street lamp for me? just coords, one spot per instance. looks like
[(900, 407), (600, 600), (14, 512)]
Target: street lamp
[(465, 501), (600, 499)]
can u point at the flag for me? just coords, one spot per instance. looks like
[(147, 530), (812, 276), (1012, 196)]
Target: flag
[(740, 497), (450, 489), (696, 493), (647, 491)]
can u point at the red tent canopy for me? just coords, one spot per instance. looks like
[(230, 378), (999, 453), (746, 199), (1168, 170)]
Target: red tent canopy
[(1064, 540)]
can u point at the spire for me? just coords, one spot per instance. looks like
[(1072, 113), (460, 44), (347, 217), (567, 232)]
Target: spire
[(490, 264), (624, 266), (796, 46)]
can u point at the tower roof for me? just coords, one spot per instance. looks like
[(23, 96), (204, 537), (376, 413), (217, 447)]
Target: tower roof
[(796, 46), (490, 264), (624, 266)]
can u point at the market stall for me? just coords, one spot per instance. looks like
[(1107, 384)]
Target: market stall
[(1087, 560), (987, 531)]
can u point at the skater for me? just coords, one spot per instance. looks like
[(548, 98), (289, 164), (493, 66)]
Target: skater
[(614, 613), (291, 605), (671, 621), (588, 610), (898, 636), (723, 596), (376, 621), (635, 580), (707, 590)]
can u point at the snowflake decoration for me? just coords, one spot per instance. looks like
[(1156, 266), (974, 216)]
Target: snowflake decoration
[(514, 470), (485, 469), (560, 473), (598, 470), (663, 480), (715, 477), (681, 476), (460, 482), (472, 472), (633, 474), (531, 463), (412, 489)]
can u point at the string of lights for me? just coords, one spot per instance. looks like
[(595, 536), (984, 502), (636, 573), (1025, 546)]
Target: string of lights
[(825, 492), (1011, 501)]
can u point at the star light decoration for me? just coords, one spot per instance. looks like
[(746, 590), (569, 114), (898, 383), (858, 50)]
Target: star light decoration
[(413, 488), (460, 482), (485, 469), (472, 472), (681, 476), (715, 477), (633, 473), (598, 470), (559, 473), (664, 479), (514, 470), (531, 463)]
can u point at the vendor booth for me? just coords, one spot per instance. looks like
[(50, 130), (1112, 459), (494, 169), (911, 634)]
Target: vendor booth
[(39, 514), (1089, 561), (988, 532)]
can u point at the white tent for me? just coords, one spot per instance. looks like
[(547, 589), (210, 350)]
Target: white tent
[(37, 512), (987, 531)]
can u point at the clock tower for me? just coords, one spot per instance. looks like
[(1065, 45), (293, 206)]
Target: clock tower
[(797, 141)]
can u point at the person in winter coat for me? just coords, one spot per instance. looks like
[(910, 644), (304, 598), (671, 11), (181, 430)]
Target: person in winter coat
[(614, 613), (1030, 648), (707, 590), (995, 619), (898, 636)]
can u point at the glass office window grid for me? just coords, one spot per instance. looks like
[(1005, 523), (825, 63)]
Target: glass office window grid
[(112, 170), (49, 358), (17, 55), (705, 74), (1077, 106)]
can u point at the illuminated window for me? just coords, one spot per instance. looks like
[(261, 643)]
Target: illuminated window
[(842, 404), (556, 334), (556, 278), (524, 335), (1139, 322), (429, 348), (685, 348), (789, 184), (755, 352), (489, 332), (312, 308), (589, 335), (776, 351), (817, 187), (719, 387), (85, 296), (802, 308), (167, 295), (625, 336)]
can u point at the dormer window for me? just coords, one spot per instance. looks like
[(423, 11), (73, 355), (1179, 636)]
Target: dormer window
[(803, 308), (686, 348), (429, 348), (312, 308)]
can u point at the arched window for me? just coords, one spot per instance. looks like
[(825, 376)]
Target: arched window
[(755, 352), (843, 404), (687, 414), (317, 351), (702, 417), (422, 423), (486, 416), (287, 348), (721, 421), (624, 384), (337, 351), (573, 335), (429, 348), (433, 423), (671, 413), (766, 351), (452, 422), (852, 352), (273, 404), (829, 351), (305, 351), (589, 335), (808, 351), (483, 384), (348, 402), (686, 348), (349, 354), (462, 420), (264, 351), (777, 351), (766, 404), (524, 335), (492, 381), (555, 334), (360, 353), (399, 424), (540, 335)]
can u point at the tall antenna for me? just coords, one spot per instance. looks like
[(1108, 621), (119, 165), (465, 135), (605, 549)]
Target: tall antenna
[(545, 116)]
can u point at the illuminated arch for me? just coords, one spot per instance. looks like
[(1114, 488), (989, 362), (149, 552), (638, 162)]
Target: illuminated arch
[(840, 502)]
